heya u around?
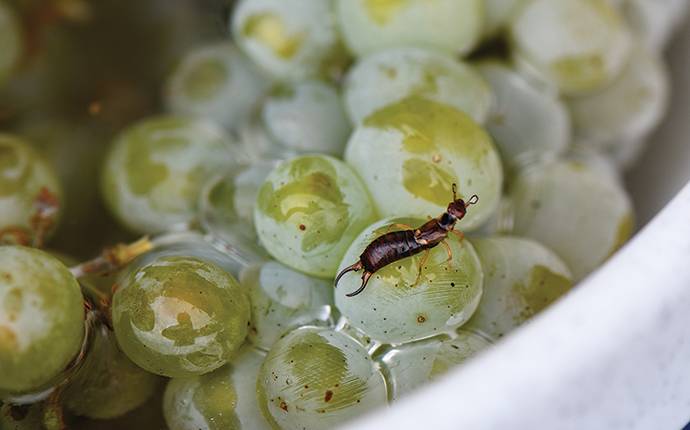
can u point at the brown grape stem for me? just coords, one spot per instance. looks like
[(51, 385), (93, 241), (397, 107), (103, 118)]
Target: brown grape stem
[(113, 258)]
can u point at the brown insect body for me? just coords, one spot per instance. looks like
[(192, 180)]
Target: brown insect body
[(396, 245)]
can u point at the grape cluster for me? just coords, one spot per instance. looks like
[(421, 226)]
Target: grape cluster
[(266, 163)]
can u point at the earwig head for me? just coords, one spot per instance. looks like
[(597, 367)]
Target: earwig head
[(458, 207)]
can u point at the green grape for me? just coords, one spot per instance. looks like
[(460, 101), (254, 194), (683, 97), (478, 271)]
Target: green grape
[(10, 42), (410, 153), (526, 121), (108, 384), (402, 303), (389, 76), (410, 366), (293, 40), (653, 22), (308, 212), (454, 26), (222, 400), (282, 300), (579, 46), (179, 316), (576, 209), (21, 417), (216, 82), (317, 378), (626, 111), (156, 168), (41, 319), (499, 14), (308, 117), (26, 178), (259, 146), (522, 278)]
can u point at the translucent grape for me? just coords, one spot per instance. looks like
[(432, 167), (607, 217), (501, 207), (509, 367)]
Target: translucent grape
[(499, 14), (10, 42), (526, 122), (454, 26), (41, 319), (389, 76), (522, 278), (155, 170), (308, 117), (581, 213), (627, 110), (108, 384), (410, 153), (282, 300), (402, 303), (224, 399), (308, 212), (410, 366), (25, 178), (180, 316), (259, 146), (579, 46), (317, 378), (653, 22), (293, 40), (216, 82)]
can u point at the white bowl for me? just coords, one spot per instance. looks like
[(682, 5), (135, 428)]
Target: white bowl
[(613, 354)]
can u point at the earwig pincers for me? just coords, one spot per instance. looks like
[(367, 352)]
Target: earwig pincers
[(397, 245)]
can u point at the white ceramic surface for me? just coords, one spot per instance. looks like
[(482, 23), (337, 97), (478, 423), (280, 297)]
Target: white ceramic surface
[(615, 353)]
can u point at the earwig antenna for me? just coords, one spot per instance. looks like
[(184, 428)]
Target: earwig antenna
[(455, 191), (473, 200)]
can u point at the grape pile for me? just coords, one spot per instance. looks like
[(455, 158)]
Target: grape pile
[(261, 159)]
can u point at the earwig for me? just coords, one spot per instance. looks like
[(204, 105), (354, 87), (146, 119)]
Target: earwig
[(394, 246)]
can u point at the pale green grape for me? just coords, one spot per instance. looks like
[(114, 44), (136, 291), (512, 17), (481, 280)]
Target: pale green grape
[(155, 170), (389, 76), (403, 304), (577, 210), (579, 46), (522, 278), (108, 384), (410, 153), (454, 26), (293, 40), (308, 212), (41, 319), (10, 41), (216, 82), (25, 178), (626, 111), (308, 117), (282, 299), (227, 204), (526, 122), (499, 13), (654, 22), (225, 399), (180, 316), (257, 145), (317, 378), (410, 366)]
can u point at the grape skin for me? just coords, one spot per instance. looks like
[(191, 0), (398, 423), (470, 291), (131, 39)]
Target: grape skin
[(42, 322), (180, 316)]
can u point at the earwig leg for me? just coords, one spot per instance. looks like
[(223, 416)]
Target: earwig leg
[(421, 266), (459, 234), (449, 252), (354, 268), (400, 226), (365, 281)]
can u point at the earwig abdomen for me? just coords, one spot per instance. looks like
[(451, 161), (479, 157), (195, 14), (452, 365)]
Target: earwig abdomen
[(389, 248)]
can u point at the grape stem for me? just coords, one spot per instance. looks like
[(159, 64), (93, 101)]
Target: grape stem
[(113, 258)]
